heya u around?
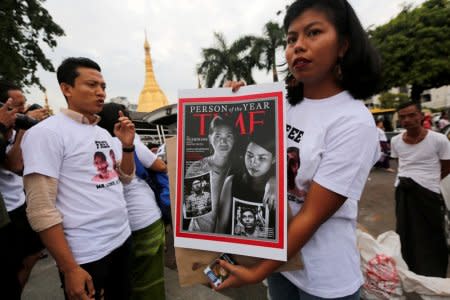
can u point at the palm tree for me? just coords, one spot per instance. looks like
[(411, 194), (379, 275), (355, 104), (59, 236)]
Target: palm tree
[(265, 48), (227, 62)]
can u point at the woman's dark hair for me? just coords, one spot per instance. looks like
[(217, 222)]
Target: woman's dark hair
[(260, 137), (109, 116), (361, 64)]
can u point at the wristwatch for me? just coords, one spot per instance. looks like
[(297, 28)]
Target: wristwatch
[(128, 149)]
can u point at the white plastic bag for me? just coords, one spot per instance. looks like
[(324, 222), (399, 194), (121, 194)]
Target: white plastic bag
[(386, 273), (379, 265)]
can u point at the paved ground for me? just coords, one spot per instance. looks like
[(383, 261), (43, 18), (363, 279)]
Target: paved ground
[(376, 214)]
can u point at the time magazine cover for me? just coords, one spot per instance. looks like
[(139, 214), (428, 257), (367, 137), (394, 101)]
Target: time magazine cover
[(231, 191)]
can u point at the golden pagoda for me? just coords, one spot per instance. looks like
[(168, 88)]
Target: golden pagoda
[(46, 105), (151, 97)]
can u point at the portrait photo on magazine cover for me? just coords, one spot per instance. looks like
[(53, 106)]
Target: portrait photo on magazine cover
[(197, 198)]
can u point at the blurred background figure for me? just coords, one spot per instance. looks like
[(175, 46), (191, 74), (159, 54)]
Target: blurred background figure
[(385, 148)]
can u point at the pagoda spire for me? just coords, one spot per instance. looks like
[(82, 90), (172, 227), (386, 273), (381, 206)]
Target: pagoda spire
[(46, 105), (151, 97)]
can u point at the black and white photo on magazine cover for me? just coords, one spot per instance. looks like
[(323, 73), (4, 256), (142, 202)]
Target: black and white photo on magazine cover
[(251, 219), (197, 200), (237, 150)]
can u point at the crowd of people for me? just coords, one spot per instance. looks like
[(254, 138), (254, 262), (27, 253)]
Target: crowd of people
[(101, 223), (84, 203)]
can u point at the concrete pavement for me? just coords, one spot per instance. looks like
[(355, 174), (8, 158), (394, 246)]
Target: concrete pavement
[(44, 284)]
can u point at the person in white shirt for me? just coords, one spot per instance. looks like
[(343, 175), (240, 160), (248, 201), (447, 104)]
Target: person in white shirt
[(385, 148), (25, 247), (331, 64), (144, 215), (424, 159), (443, 121), (82, 222)]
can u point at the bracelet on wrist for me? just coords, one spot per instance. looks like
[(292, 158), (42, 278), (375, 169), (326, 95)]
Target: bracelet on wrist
[(128, 149)]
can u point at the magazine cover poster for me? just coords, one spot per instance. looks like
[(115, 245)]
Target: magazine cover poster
[(231, 193)]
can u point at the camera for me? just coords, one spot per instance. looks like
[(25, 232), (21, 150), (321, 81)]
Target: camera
[(23, 121)]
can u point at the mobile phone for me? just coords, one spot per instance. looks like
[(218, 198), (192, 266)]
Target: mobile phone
[(215, 273)]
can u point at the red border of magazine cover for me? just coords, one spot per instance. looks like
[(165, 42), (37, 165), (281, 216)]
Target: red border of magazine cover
[(271, 246)]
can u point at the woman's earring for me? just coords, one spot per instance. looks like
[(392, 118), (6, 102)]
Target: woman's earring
[(338, 69)]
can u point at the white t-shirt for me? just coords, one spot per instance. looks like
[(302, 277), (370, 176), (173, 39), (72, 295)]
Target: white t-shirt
[(421, 162), (11, 185), (381, 135), (90, 194), (337, 142), (443, 123), (141, 203)]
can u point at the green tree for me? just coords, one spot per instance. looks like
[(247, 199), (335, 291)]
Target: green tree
[(391, 100), (224, 62), (264, 48), (415, 47), (24, 25)]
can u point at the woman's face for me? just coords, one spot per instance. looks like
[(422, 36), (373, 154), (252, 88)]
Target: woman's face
[(313, 49), (101, 165), (258, 160), (222, 139)]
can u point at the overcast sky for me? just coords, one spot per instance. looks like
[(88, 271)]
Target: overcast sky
[(112, 33)]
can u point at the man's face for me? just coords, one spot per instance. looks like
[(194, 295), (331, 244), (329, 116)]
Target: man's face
[(101, 165), (87, 95), (18, 100), (196, 186), (248, 220), (410, 117)]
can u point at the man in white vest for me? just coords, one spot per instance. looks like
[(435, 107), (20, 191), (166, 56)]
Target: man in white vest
[(424, 159)]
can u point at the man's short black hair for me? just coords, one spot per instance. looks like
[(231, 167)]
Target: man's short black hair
[(407, 104), (67, 71), (5, 87)]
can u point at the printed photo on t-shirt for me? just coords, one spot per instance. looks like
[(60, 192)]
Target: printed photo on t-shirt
[(251, 219), (105, 169), (197, 200), (295, 194)]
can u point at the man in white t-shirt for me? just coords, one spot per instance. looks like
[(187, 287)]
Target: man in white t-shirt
[(24, 244), (383, 162), (82, 222), (424, 159)]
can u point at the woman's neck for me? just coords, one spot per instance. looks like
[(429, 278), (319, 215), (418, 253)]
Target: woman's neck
[(322, 89), (257, 183), (219, 160)]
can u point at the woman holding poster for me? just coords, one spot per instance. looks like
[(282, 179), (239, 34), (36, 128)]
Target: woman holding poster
[(331, 64)]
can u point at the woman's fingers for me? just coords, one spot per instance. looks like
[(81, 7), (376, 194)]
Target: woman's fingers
[(235, 85)]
